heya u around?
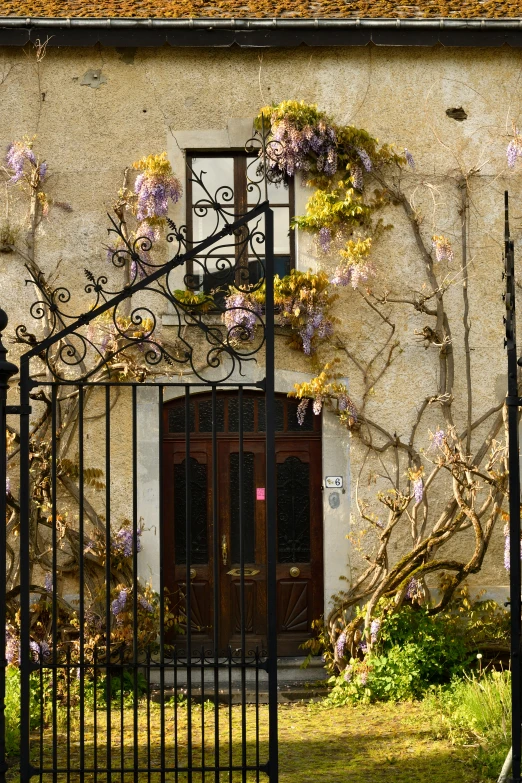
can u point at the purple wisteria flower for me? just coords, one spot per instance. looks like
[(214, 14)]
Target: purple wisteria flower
[(42, 171), (443, 249), (374, 630), (325, 239), (35, 649), (438, 438), (318, 404), (154, 190), (290, 149), (346, 404), (347, 676), (365, 159), (118, 605), (418, 489), (507, 544), (514, 149), (409, 158), (48, 582), (363, 677), (301, 410), (357, 177), (351, 274), (18, 152), (11, 646), (7, 485), (145, 604), (413, 589), (341, 644), (123, 541), (315, 323), (241, 317)]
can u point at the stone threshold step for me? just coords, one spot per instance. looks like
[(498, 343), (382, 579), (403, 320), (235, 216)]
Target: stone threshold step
[(287, 693)]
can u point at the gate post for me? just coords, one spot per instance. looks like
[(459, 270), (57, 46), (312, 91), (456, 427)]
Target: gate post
[(7, 369)]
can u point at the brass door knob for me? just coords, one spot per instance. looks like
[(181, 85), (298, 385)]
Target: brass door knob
[(294, 571)]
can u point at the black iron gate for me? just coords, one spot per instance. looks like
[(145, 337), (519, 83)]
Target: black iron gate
[(118, 679)]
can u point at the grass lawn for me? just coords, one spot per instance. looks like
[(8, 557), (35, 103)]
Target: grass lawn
[(379, 743)]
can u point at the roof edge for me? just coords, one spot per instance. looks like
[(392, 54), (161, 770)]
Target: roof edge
[(210, 32)]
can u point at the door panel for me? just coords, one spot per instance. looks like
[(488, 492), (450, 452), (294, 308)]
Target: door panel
[(299, 541), (252, 521)]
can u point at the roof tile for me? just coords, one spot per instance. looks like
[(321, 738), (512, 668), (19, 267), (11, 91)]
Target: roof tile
[(168, 9)]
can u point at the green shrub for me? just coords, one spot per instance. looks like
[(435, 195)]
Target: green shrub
[(476, 711), (414, 651)]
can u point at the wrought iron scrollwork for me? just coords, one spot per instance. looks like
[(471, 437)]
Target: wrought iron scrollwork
[(120, 321)]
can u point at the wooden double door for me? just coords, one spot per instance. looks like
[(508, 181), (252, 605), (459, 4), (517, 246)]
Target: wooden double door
[(215, 521)]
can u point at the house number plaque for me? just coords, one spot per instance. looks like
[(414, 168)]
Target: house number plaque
[(333, 482)]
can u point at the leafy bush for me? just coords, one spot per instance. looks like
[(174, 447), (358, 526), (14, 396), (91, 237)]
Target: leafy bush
[(414, 650), (476, 711)]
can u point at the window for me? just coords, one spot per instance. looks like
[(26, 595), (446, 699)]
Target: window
[(231, 178)]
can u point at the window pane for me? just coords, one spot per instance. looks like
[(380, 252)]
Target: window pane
[(218, 179), (206, 224), (281, 233), (277, 193)]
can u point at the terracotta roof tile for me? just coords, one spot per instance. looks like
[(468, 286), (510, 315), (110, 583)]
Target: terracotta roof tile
[(165, 9)]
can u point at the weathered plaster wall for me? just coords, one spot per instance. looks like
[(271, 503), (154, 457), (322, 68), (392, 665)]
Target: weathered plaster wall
[(96, 111)]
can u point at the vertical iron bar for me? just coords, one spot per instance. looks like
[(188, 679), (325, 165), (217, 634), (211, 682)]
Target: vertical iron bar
[(230, 732), (216, 568), (42, 696), (68, 712), (242, 607), (25, 661), (188, 555), (161, 586), (81, 531), (95, 712), (135, 579), (176, 743), (108, 680), (271, 542), (54, 539), (202, 714), (122, 716), (512, 402), (7, 369)]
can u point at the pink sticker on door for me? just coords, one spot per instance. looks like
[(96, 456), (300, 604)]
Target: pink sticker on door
[(260, 493)]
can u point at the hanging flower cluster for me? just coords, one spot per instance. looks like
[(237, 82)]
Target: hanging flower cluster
[(325, 389), (155, 186), (21, 161), (121, 543), (28, 172), (442, 247), (416, 477), (514, 148), (354, 267), (301, 138), (241, 317), (303, 301)]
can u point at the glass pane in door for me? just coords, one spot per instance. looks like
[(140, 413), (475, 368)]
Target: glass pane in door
[(293, 511), (249, 520)]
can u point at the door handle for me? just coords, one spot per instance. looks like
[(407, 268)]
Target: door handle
[(224, 550)]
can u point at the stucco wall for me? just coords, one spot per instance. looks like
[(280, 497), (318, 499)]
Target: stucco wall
[(89, 129)]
